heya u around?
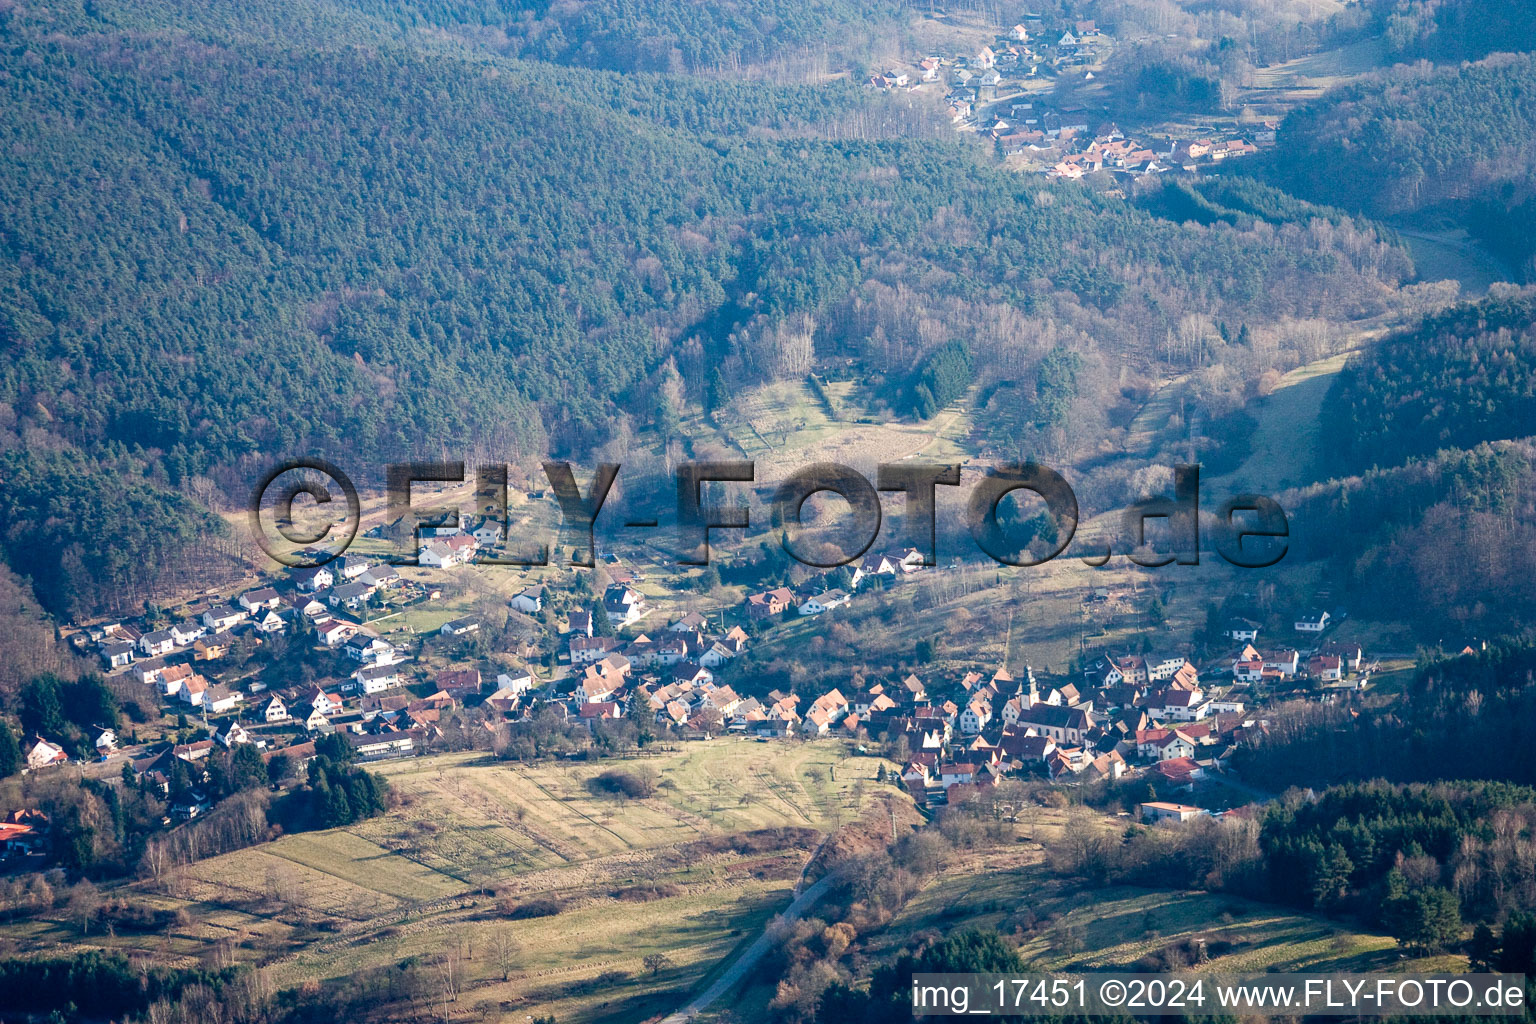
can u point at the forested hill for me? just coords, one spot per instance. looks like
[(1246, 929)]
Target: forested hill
[(224, 244), (1414, 137), (1427, 436), (1459, 378)]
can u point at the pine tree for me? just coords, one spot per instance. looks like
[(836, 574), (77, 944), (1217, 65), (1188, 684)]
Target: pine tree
[(10, 752)]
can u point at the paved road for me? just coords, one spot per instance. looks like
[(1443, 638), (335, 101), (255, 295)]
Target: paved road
[(750, 956)]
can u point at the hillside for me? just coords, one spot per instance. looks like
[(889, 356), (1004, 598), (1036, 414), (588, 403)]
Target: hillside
[(228, 248), (1453, 139), (1455, 380)]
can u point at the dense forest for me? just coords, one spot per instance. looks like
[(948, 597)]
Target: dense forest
[(1454, 30), (1458, 378), (1420, 137)]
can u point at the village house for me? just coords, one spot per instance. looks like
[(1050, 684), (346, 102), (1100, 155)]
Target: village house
[(380, 576), (276, 710), (1064, 725), (1158, 812), (459, 683), (157, 643), (333, 633), (623, 605), (264, 598), (1328, 668), (459, 627), (235, 734), (442, 554), (586, 650), (1312, 622), (1180, 771), (1180, 705), (383, 745), (220, 619), (1243, 630), (173, 678), (184, 633), (371, 679), (1162, 743), (367, 649), (530, 601), (352, 566), (312, 578), (823, 602), (117, 654), (769, 603), (42, 754), (351, 595)]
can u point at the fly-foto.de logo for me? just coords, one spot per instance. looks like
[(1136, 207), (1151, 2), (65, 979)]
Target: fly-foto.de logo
[(1247, 530)]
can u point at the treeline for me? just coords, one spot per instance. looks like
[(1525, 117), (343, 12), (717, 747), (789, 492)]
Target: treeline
[(1230, 200), (302, 246), (942, 378), (1459, 378), (94, 537), (1413, 137), (98, 986), (658, 35)]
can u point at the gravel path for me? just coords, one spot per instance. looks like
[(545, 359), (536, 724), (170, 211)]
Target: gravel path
[(750, 956)]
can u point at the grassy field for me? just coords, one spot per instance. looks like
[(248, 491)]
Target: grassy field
[(1285, 440)]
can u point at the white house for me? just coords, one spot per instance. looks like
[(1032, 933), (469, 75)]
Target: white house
[(381, 576), (159, 642), (975, 718), (1243, 630), (310, 579), (1156, 812), (185, 633), (1313, 622), (515, 683), (266, 597), (235, 734), (530, 601), (368, 650), (220, 619), (276, 710), (42, 754), (623, 605), (1184, 706), (116, 655), (376, 678), (824, 602), (717, 655)]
